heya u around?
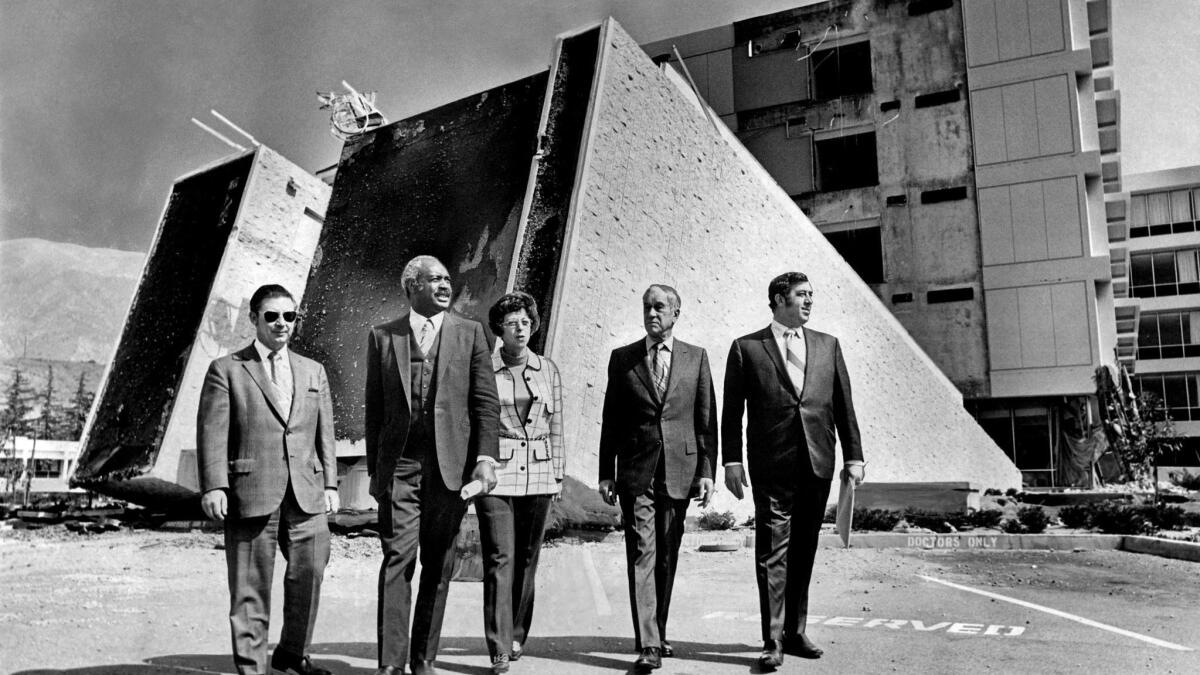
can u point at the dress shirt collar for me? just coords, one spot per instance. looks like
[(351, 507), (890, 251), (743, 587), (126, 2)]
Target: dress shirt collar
[(778, 329), (534, 362), (669, 342), (417, 320), (264, 354)]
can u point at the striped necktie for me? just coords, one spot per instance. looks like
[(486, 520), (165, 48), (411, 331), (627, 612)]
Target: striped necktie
[(281, 381), (662, 368), (795, 358), (426, 339)]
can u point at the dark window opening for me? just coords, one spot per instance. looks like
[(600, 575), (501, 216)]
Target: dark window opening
[(943, 195), (950, 295), (919, 7), (661, 59), (899, 298), (863, 249), (897, 200), (888, 106), (842, 71), (846, 162), (936, 98)]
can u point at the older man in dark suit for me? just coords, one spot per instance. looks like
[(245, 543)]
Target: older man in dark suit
[(265, 446), (432, 414), (657, 446), (794, 383)]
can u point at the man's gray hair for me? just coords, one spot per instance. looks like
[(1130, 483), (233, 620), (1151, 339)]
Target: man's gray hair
[(412, 271), (671, 293)]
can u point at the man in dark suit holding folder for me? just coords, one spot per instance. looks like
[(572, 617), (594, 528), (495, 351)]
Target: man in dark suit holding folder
[(268, 470), (794, 383), (657, 447)]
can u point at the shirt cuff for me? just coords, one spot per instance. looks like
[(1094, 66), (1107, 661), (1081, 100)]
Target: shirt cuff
[(855, 462), (732, 464), (489, 460)]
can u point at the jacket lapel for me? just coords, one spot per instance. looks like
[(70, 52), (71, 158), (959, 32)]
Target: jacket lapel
[(680, 357), (637, 352), (446, 350), (400, 350), (300, 378), (772, 349), (258, 372)]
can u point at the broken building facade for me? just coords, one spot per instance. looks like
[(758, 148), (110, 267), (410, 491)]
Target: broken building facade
[(957, 153)]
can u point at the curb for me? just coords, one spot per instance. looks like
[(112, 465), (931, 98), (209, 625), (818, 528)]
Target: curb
[(1166, 548)]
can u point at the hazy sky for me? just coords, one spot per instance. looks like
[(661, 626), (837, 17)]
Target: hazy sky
[(96, 97)]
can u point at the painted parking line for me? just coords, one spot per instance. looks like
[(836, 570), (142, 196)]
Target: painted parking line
[(599, 597), (915, 625), (1065, 615)]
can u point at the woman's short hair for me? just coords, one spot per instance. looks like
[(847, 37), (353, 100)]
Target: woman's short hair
[(509, 303)]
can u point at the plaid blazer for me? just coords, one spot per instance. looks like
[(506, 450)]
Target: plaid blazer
[(532, 458)]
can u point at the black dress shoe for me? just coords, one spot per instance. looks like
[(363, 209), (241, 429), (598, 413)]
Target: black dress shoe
[(771, 656), (423, 667), (800, 645), (650, 658), (390, 670), (286, 664), (667, 650)]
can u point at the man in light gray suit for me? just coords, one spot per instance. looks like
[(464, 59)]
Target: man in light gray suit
[(265, 445)]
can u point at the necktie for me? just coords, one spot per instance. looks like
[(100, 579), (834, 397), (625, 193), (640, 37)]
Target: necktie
[(795, 358), (426, 339), (662, 367), (282, 381)]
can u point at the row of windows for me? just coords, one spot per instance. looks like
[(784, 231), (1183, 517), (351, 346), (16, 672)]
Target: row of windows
[(1168, 212), (1164, 273), (1169, 335), (42, 468), (1179, 392)]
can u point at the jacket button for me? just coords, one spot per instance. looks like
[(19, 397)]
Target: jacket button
[(522, 468), (522, 444), (535, 397), (529, 421)]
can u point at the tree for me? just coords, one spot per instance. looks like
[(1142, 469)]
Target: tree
[(16, 404), (1138, 426), (81, 405), (48, 421)]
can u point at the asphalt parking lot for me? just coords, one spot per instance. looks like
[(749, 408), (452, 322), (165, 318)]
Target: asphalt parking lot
[(145, 603)]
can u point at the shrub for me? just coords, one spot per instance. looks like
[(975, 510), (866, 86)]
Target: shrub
[(985, 518), (716, 520), (1191, 519), (1077, 516), (1112, 518), (1033, 518), (830, 515), (1163, 517), (1186, 480), (1012, 526), (992, 492), (1010, 492), (875, 520), (930, 520)]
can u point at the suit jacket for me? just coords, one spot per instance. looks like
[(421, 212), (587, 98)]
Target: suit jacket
[(638, 428), (466, 406), (247, 444), (756, 379)]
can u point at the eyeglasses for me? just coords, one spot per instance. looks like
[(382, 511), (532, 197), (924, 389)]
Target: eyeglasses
[(272, 317), (522, 323)]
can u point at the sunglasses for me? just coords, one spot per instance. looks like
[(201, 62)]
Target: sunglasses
[(272, 317)]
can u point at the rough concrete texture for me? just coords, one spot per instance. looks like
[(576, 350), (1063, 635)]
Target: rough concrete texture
[(226, 231), (666, 196), (449, 182)]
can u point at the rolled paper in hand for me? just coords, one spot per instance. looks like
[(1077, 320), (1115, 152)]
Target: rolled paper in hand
[(471, 489)]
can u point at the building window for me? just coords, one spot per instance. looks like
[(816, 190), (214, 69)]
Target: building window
[(1164, 273), (1169, 212), (863, 249), (1178, 392), (1169, 335), (1024, 435), (845, 162), (842, 71), (47, 468)]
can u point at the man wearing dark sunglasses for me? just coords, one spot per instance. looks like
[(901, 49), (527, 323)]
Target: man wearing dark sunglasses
[(265, 445)]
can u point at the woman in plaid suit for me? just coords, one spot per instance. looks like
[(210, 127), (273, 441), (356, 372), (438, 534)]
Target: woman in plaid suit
[(512, 517)]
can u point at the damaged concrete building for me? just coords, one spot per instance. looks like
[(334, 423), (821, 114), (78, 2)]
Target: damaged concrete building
[(581, 186), (958, 154)]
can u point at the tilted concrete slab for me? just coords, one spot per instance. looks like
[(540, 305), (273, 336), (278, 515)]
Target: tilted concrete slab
[(667, 195), (226, 229)]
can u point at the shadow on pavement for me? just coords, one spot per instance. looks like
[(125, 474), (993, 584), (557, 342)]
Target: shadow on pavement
[(584, 650)]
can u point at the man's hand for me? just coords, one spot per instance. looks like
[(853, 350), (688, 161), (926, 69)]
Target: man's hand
[(215, 504), (735, 480), (333, 503), (486, 474), (856, 472), (704, 492), (608, 491)]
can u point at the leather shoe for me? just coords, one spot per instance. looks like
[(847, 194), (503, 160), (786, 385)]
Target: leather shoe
[(423, 667), (800, 645), (667, 650), (517, 650), (286, 664), (500, 663), (650, 658), (771, 656), (390, 670)]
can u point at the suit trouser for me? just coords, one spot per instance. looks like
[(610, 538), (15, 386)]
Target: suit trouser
[(511, 531), (418, 511), (250, 545), (653, 532), (787, 524)]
